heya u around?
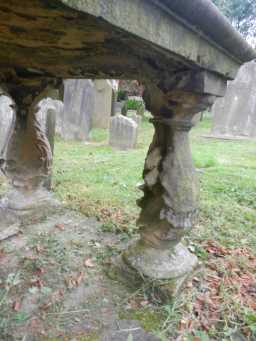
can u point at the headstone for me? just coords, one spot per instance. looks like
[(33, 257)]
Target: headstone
[(103, 103), (78, 109), (113, 103), (49, 109), (6, 119), (235, 114), (59, 110), (136, 118), (123, 132), (118, 107)]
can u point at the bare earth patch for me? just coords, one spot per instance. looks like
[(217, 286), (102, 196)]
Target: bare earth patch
[(53, 284)]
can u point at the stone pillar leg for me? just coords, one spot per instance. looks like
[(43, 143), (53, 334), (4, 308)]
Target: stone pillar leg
[(169, 206), (28, 157)]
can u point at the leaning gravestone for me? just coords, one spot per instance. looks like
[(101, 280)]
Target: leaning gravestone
[(123, 132), (78, 109), (235, 114), (6, 119)]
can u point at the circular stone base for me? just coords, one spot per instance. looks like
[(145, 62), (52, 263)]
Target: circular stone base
[(160, 264), (8, 218), (163, 278), (23, 203)]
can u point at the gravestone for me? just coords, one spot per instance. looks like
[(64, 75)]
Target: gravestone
[(136, 118), (49, 109), (58, 107), (6, 119), (235, 114), (103, 92), (78, 109), (118, 107), (123, 132)]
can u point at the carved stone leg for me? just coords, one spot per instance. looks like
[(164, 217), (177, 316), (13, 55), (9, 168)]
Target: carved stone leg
[(170, 203), (169, 207), (28, 157)]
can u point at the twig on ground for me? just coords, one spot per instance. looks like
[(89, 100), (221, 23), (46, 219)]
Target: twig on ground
[(9, 232)]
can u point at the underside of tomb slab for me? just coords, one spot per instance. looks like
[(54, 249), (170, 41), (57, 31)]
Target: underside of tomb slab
[(48, 39)]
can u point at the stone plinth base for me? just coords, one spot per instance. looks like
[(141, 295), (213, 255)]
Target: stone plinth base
[(36, 203), (7, 218), (162, 272)]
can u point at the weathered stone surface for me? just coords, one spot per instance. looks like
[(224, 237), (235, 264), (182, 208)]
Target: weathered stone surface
[(78, 109), (123, 132), (6, 119), (118, 107), (27, 157), (169, 206), (51, 108), (235, 114), (95, 39), (136, 118), (171, 263), (126, 44), (103, 92)]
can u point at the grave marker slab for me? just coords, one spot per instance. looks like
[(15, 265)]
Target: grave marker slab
[(123, 132)]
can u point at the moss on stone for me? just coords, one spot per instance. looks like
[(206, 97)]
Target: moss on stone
[(93, 336), (149, 319)]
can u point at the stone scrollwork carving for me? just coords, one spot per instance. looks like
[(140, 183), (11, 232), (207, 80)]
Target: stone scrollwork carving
[(27, 156)]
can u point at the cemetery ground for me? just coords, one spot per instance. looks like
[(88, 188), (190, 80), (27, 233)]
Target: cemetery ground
[(50, 268)]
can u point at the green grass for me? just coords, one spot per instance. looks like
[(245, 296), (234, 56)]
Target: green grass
[(96, 176), (99, 180), (228, 187)]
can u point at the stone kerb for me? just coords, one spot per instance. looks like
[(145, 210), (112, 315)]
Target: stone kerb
[(123, 132)]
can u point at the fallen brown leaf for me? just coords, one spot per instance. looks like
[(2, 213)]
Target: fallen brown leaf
[(144, 303), (79, 278), (37, 282), (2, 253), (89, 263), (16, 305), (60, 226), (39, 248)]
